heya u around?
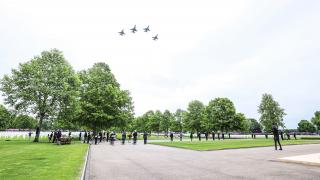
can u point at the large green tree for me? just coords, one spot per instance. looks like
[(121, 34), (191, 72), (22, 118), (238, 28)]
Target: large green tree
[(254, 126), (6, 117), (44, 86), (220, 115), (167, 119), (177, 124), (316, 119), (103, 103), (24, 122), (270, 113), (306, 126), (194, 116)]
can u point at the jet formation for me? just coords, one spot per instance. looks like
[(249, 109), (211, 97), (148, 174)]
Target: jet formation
[(134, 30)]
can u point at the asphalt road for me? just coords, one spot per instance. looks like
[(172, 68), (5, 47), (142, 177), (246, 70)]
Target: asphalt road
[(140, 161)]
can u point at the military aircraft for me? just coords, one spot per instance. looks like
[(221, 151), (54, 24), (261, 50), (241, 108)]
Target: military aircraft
[(146, 29), (134, 29), (122, 33), (155, 37)]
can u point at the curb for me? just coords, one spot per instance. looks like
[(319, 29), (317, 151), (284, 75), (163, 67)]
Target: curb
[(85, 165)]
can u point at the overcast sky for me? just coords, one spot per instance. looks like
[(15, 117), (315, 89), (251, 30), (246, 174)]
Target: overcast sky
[(206, 49)]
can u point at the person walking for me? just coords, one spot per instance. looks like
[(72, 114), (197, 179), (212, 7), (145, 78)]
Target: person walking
[(171, 136), (294, 135), (213, 135), (191, 136), (123, 137), (145, 137), (135, 135), (281, 134), (80, 134), (275, 132)]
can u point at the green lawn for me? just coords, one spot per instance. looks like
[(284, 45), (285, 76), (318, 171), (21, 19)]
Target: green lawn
[(230, 143), (20, 159)]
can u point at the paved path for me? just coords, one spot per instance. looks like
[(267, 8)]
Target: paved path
[(134, 162)]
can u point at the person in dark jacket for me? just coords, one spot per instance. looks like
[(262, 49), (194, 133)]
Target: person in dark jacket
[(145, 137), (100, 136), (222, 136), (199, 136), (295, 135), (123, 137), (54, 136), (206, 134), (229, 135), (191, 136), (213, 135), (275, 132), (135, 136), (80, 134), (85, 136), (108, 135), (171, 136), (89, 137)]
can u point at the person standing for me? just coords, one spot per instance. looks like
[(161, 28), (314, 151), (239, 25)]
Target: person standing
[(124, 136), (54, 136), (100, 137), (222, 136), (89, 137), (145, 137), (180, 135), (275, 132), (229, 135), (108, 135), (95, 138), (171, 136), (213, 135), (206, 134), (135, 135), (199, 136), (85, 136), (191, 136), (80, 134)]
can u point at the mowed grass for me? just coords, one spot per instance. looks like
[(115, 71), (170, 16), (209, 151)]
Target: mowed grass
[(230, 143), (20, 159)]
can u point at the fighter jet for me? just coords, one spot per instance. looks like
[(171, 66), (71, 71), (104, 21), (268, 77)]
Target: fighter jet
[(122, 33), (155, 37), (134, 29), (146, 29)]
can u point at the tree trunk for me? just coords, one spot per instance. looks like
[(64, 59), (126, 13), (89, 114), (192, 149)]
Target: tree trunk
[(36, 138)]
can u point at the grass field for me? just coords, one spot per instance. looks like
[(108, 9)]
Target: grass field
[(230, 144), (22, 159)]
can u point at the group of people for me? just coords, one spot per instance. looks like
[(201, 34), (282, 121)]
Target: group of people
[(55, 136), (111, 137)]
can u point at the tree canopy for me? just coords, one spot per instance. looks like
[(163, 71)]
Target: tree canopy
[(270, 113), (45, 86), (306, 126), (103, 103)]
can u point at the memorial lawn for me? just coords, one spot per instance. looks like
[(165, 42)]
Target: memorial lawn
[(230, 143), (20, 159)]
